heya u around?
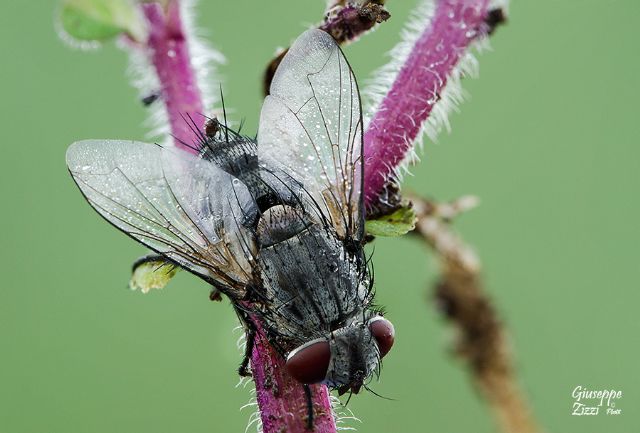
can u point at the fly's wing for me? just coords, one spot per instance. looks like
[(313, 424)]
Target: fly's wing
[(311, 129), (177, 204)]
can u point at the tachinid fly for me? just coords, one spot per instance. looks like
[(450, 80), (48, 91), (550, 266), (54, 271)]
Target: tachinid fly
[(276, 225)]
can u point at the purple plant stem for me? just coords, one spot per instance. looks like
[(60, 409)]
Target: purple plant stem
[(169, 53), (282, 400), (417, 88)]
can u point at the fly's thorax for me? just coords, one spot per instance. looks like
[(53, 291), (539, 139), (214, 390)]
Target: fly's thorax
[(312, 285), (279, 223)]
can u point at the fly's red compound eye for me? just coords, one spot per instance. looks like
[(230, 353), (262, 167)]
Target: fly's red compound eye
[(384, 333), (309, 362)]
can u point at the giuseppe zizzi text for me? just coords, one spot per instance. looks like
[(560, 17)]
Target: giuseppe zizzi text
[(593, 402)]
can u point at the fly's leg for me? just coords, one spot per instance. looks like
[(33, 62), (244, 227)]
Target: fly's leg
[(251, 330), (307, 394), (243, 370)]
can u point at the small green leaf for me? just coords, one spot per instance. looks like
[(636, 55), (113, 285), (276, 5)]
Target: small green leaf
[(397, 223), (151, 272), (101, 20)]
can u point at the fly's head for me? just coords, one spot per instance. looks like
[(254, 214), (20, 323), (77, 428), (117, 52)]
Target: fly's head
[(346, 358)]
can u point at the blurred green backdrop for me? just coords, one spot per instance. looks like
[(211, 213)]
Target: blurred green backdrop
[(549, 142)]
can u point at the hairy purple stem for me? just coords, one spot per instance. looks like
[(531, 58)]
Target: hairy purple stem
[(169, 53), (282, 400), (399, 119)]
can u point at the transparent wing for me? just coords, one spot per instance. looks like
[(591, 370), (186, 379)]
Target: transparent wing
[(311, 129), (179, 205)]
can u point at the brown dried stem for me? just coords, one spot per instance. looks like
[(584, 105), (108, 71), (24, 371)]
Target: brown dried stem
[(482, 338), (345, 22)]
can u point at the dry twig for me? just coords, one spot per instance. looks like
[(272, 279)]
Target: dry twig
[(459, 293), (345, 22)]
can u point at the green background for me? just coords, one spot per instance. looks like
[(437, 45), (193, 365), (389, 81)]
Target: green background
[(549, 142)]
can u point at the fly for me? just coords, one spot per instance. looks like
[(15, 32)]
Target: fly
[(276, 224)]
